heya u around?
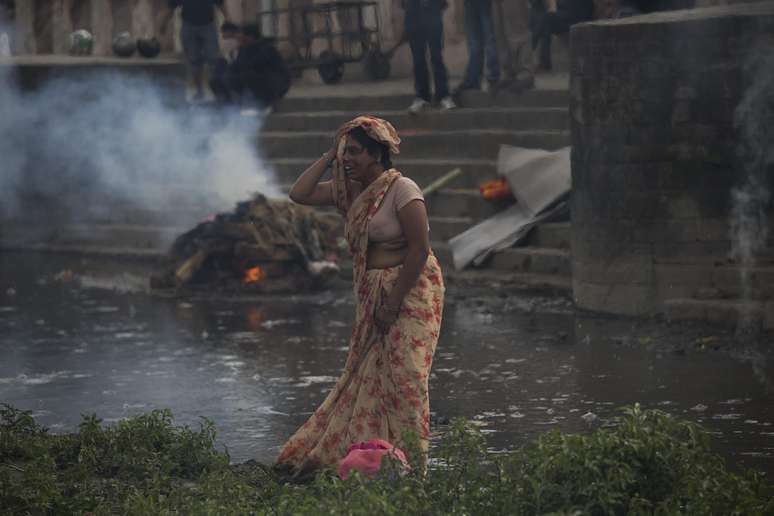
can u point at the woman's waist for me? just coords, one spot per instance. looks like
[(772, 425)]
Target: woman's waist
[(382, 255)]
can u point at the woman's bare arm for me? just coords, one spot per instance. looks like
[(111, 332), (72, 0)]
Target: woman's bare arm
[(308, 189), (413, 220)]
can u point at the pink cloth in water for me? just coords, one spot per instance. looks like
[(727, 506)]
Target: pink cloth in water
[(366, 457)]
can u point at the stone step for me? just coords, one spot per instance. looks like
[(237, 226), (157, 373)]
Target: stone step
[(548, 118), (423, 171), (157, 237), (538, 260), (483, 280), (457, 202), (398, 102), (453, 202), (479, 144), (735, 313), (553, 235), (721, 281), (127, 236), (445, 228), (530, 260)]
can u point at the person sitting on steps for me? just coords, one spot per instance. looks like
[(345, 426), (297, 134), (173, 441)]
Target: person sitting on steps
[(257, 75)]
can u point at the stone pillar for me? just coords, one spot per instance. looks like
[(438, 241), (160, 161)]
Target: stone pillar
[(144, 18), (62, 25), (102, 27), (654, 153), (25, 28)]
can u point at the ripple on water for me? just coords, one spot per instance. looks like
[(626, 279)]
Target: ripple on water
[(42, 378), (306, 381)]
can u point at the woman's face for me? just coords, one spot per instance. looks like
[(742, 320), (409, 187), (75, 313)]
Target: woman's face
[(357, 162)]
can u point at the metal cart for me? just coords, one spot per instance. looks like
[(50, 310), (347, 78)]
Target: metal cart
[(340, 28)]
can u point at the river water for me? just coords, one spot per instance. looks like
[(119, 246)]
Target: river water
[(516, 364)]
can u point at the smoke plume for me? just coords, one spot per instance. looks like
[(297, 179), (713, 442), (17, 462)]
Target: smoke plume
[(750, 200), (87, 147)]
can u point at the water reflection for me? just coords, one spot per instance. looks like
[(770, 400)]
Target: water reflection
[(258, 367)]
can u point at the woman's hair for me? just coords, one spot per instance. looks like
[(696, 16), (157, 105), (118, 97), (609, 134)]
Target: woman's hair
[(372, 147)]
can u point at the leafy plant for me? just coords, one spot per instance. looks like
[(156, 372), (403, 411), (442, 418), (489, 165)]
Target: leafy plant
[(647, 463)]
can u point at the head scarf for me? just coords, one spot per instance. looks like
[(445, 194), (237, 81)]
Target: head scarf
[(380, 130)]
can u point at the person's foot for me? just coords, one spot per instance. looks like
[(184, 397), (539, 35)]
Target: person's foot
[(418, 106), (465, 87), (447, 104), (492, 86)]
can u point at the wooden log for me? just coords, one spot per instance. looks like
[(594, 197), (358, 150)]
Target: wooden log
[(185, 272), (441, 181)]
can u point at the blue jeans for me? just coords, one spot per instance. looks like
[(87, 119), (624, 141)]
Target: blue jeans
[(481, 40)]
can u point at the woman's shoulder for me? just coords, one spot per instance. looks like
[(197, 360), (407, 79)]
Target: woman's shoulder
[(406, 183), (405, 191)]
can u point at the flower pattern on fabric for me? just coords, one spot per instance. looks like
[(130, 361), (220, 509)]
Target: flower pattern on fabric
[(383, 389)]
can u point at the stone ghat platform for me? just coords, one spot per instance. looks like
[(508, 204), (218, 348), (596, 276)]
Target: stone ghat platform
[(33, 71)]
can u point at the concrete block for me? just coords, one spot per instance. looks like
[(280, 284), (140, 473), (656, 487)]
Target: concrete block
[(684, 309), (768, 321), (630, 270)]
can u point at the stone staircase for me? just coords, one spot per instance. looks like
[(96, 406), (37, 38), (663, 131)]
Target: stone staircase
[(302, 128), (435, 143)]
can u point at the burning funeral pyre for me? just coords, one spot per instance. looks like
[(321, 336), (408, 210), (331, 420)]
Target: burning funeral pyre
[(265, 245)]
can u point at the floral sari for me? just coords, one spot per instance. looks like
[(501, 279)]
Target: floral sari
[(382, 391)]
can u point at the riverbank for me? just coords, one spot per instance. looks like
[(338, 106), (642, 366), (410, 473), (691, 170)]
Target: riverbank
[(647, 462), (81, 335)]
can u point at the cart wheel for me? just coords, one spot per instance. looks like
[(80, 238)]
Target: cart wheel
[(376, 65), (331, 69)]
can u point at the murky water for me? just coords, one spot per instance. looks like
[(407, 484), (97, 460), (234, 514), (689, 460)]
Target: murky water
[(258, 367)]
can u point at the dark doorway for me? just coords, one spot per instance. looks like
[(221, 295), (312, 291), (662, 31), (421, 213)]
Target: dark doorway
[(80, 14)]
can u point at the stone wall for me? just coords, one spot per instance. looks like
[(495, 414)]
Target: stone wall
[(655, 155)]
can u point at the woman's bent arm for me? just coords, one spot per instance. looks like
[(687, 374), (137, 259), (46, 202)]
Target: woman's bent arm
[(308, 189), (413, 220)]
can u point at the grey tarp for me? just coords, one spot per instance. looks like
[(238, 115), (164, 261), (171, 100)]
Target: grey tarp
[(538, 179)]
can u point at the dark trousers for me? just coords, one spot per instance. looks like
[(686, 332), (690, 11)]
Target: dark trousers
[(482, 42), (544, 25), (424, 28), (220, 81)]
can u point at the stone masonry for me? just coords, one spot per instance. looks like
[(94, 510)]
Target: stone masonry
[(656, 154)]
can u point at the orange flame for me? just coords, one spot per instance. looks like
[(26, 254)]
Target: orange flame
[(254, 275)]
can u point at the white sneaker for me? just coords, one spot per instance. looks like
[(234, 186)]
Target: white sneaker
[(447, 103), (418, 106)]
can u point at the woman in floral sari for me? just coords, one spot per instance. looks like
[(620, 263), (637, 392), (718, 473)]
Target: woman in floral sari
[(399, 291)]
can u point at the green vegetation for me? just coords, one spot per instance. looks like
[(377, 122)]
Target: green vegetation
[(648, 463)]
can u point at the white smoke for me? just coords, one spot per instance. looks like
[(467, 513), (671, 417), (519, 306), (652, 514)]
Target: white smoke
[(750, 200), (105, 141)]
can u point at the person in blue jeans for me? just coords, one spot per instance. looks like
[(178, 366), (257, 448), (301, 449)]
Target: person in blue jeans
[(199, 38), (482, 43)]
